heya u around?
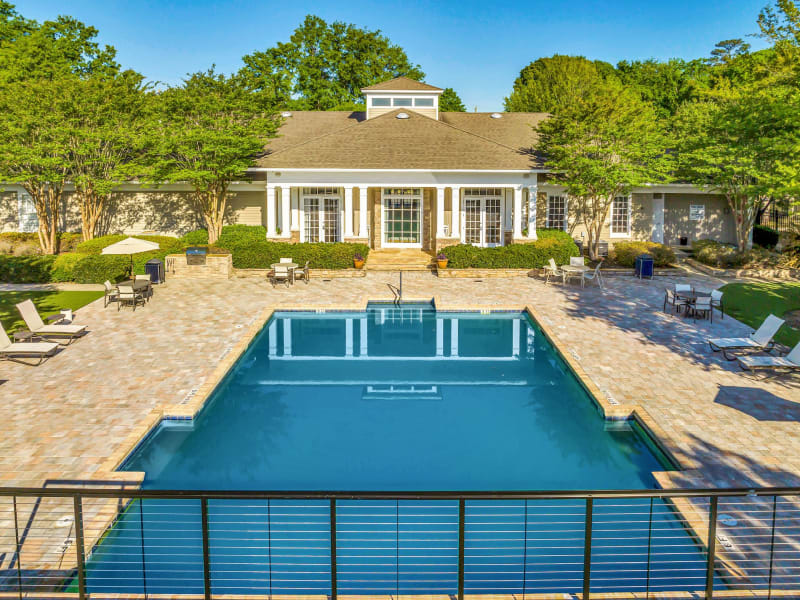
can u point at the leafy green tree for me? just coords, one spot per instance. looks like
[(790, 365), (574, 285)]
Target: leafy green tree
[(450, 102), (549, 84), (325, 65), (599, 145), (666, 85), (207, 133), (106, 134)]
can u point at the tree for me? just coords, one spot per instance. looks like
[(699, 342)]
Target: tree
[(207, 133), (324, 66), (450, 102), (600, 145), (33, 149), (105, 117), (547, 84), (666, 85)]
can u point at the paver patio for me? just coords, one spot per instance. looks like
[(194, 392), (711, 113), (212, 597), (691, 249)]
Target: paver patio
[(62, 420)]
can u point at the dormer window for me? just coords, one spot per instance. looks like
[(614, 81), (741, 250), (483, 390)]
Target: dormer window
[(381, 102), (423, 102), (404, 93), (401, 102)]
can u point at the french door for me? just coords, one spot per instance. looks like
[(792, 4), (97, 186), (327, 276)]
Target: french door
[(402, 218), (321, 215), (482, 218)]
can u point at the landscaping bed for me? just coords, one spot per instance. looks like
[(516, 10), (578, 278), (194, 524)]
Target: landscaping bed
[(552, 243)]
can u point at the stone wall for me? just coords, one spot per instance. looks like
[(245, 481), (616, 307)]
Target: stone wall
[(218, 266)]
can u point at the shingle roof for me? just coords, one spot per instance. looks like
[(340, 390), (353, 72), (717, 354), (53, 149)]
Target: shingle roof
[(401, 84), (318, 140)]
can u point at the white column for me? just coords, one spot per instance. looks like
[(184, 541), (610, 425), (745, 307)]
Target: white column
[(294, 194), (453, 337), (287, 337), (362, 338), (455, 210), (439, 337), (272, 202), (363, 198), (517, 213), (348, 211), (285, 210), (439, 211), (348, 342), (532, 191)]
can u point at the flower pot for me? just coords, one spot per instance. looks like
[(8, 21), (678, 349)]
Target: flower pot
[(358, 263), (441, 264)]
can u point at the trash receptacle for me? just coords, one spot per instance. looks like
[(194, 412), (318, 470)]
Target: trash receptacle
[(155, 268), (644, 266), (579, 244)]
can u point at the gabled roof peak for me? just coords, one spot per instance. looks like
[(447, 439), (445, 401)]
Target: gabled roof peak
[(401, 84)]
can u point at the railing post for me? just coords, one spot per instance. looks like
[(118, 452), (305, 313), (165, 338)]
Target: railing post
[(587, 549), (712, 546), (334, 583), (79, 554), (141, 544), (772, 545), (19, 547), (461, 520), (206, 563), (649, 546)]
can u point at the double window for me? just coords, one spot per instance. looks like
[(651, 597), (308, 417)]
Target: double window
[(483, 221), (621, 216), (557, 212), (321, 215)]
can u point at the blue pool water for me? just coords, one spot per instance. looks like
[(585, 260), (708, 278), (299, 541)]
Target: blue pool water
[(397, 399)]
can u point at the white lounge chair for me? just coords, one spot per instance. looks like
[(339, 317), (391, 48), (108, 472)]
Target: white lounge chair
[(19, 351), (552, 270), (790, 362), (56, 332), (761, 339)]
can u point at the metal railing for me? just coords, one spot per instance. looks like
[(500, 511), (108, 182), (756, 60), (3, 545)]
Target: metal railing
[(145, 542)]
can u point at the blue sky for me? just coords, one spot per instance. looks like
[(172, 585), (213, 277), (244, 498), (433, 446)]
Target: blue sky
[(476, 47)]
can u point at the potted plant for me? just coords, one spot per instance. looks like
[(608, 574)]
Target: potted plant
[(441, 261), (358, 261)]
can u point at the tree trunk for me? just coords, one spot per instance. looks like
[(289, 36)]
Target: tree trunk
[(213, 202), (92, 206), (47, 202)]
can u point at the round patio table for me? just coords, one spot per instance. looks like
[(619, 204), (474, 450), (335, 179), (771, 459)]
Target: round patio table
[(576, 269)]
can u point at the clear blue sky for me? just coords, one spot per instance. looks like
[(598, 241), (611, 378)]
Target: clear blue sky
[(476, 47)]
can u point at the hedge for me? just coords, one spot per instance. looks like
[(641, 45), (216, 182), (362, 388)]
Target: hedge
[(764, 236), (26, 269), (97, 269), (554, 244), (624, 253), (260, 255), (64, 266), (198, 237)]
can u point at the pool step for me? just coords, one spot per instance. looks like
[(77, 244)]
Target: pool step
[(392, 259)]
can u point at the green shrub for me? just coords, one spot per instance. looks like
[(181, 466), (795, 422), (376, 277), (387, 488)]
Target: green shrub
[(624, 253), (68, 241), (554, 244), (20, 244), (241, 234), (96, 245), (260, 255), (199, 237), (764, 236), (97, 269), (64, 266), (725, 256), (26, 269)]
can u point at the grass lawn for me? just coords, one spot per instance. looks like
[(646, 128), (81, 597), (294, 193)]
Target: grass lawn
[(48, 302), (751, 303)]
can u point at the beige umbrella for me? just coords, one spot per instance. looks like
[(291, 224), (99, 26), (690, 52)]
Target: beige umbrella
[(130, 245)]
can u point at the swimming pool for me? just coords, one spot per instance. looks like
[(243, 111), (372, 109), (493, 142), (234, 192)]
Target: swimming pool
[(397, 399)]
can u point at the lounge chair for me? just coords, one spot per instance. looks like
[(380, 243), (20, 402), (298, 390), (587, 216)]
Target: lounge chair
[(57, 333), (552, 270), (111, 294), (761, 339), (128, 295), (790, 362), (594, 276), (19, 351)]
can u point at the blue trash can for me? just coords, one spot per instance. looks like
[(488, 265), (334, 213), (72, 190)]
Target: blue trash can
[(644, 266)]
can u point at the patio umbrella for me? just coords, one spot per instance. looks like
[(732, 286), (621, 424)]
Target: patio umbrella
[(130, 246)]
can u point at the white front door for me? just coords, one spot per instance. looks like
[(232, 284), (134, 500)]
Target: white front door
[(483, 218), (321, 215), (402, 218), (658, 218)]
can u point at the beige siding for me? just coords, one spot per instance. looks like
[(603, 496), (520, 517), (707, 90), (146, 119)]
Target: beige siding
[(9, 217), (247, 208), (718, 223), (382, 110)]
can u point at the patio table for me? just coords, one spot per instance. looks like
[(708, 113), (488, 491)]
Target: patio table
[(576, 269), (138, 284)]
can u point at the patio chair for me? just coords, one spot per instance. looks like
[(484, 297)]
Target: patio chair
[(552, 270), (593, 276), (280, 274), (129, 296), (111, 294), (673, 301), (702, 305), (286, 260), (789, 362), (716, 302), (302, 273), (55, 332), (148, 292), (682, 287), (576, 261), (19, 351), (761, 339)]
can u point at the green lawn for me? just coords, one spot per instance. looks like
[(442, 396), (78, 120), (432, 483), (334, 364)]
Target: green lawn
[(47, 302), (751, 303)]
